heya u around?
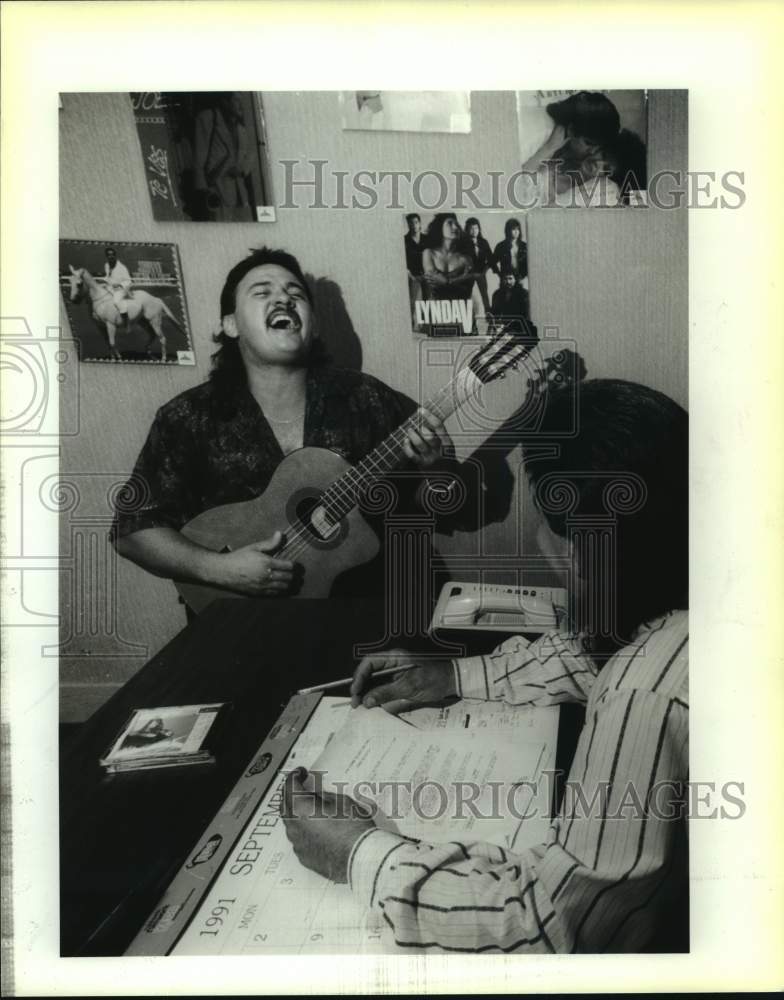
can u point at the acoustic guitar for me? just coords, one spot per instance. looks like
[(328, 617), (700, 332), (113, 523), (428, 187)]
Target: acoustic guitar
[(314, 494)]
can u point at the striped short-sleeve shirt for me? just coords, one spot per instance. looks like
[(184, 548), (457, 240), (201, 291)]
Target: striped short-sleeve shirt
[(614, 856)]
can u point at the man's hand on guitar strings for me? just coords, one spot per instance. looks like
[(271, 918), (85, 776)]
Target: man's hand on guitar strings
[(429, 442), (255, 571)]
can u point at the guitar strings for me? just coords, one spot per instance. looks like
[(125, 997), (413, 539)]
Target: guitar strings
[(382, 459), (338, 499), (344, 498), (334, 499)]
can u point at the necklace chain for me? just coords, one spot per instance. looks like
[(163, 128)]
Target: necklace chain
[(272, 420), (293, 420)]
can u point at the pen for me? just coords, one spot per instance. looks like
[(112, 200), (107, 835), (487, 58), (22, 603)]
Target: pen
[(347, 680)]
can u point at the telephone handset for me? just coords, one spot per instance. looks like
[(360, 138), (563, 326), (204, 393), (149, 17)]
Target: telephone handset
[(498, 608), (472, 610)]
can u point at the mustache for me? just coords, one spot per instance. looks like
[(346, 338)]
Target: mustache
[(287, 312)]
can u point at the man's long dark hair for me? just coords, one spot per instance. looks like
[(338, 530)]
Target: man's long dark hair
[(509, 225), (637, 439), (228, 369)]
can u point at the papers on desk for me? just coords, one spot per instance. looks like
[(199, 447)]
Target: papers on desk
[(264, 902), (436, 784)]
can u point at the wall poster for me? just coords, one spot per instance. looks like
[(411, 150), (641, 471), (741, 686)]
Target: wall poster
[(205, 155), (126, 301)]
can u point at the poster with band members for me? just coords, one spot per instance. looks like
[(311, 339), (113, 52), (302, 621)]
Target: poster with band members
[(584, 148), (204, 154), (406, 110), (126, 301), (467, 273)]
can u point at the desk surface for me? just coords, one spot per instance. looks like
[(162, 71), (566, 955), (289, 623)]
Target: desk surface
[(123, 837)]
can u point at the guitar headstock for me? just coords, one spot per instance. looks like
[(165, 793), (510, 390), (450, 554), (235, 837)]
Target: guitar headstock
[(563, 368), (505, 350)]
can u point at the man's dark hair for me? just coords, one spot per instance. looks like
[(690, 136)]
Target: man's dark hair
[(631, 443), (588, 114), (509, 225), (472, 221), (257, 258), (110, 250), (228, 369), (411, 216)]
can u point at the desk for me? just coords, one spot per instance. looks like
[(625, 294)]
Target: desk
[(124, 837)]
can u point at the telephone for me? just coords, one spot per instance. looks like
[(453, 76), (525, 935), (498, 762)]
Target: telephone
[(499, 608)]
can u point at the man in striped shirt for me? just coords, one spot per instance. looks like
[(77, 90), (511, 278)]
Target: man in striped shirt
[(614, 859)]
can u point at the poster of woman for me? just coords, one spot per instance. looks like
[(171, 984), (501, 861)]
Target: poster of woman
[(584, 148)]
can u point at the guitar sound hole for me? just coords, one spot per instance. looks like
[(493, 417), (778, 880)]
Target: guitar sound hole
[(303, 509)]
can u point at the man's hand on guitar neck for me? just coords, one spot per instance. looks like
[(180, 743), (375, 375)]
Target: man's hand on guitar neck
[(253, 570), (429, 442)]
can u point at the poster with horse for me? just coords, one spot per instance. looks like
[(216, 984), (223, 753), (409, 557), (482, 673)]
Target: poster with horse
[(126, 301)]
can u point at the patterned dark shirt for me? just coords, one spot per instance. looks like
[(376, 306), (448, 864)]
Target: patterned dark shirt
[(198, 456), (414, 254), (502, 258), (479, 252)]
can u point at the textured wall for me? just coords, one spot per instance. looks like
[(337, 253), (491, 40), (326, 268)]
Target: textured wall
[(614, 282)]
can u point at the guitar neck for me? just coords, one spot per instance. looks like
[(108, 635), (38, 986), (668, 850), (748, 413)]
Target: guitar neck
[(343, 495)]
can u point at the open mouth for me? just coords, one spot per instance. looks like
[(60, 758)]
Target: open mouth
[(283, 320)]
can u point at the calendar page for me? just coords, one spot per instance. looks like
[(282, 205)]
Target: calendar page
[(264, 901)]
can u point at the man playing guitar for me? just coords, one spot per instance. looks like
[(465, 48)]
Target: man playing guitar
[(269, 395)]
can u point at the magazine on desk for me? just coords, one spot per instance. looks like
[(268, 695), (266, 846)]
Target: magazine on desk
[(174, 736)]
